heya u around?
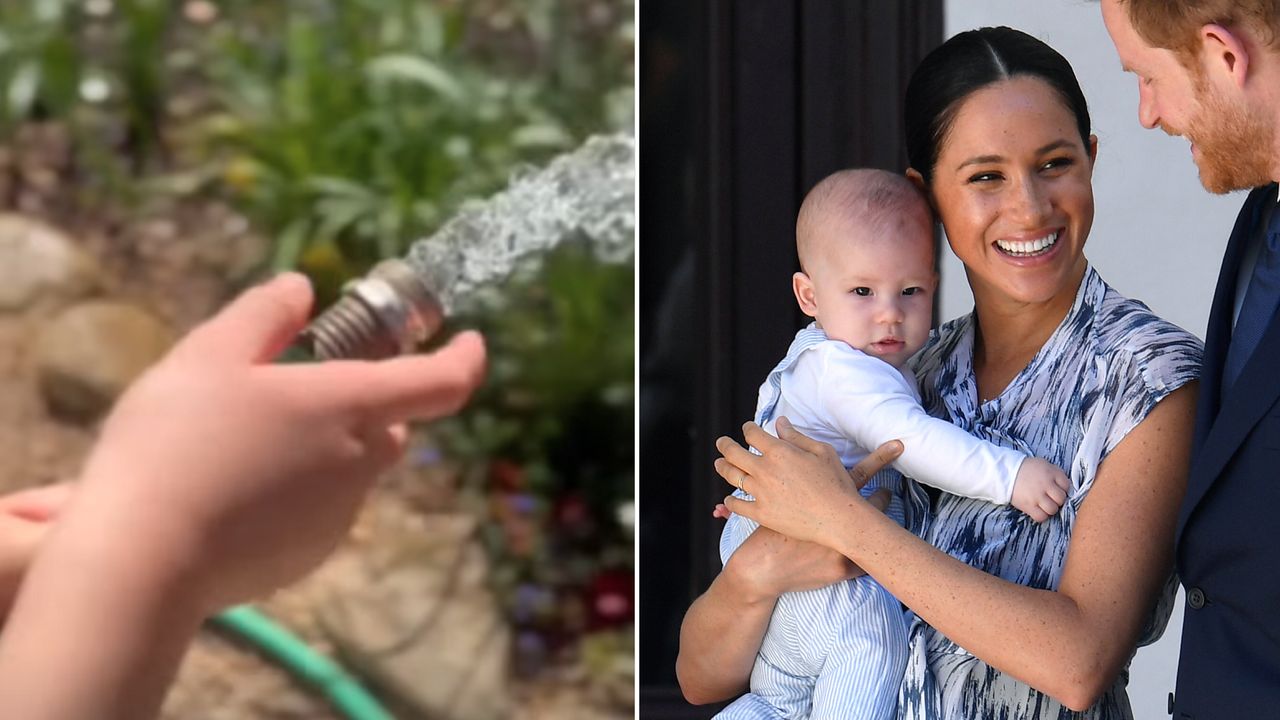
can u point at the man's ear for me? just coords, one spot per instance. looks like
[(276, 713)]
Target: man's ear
[(802, 286), (1225, 51)]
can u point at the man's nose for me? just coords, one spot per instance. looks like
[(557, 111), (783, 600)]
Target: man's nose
[(1147, 114)]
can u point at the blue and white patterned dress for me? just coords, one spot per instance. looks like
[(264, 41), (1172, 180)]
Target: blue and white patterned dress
[(1099, 374)]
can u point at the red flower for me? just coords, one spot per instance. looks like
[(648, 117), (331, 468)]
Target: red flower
[(610, 599), (506, 475)]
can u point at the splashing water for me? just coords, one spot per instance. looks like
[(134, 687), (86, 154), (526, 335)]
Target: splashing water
[(587, 195)]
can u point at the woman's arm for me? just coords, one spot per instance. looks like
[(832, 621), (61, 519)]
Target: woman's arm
[(724, 627), (1069, 644)]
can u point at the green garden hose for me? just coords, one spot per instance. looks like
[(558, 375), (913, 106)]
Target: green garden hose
[(343, 691)]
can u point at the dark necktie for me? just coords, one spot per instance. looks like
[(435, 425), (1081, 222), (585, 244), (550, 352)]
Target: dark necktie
[(1259, 303)]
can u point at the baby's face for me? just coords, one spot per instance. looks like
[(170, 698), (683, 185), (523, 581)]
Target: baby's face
[(875, 291)]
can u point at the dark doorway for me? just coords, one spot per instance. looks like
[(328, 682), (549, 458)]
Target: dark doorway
[(743, 106)]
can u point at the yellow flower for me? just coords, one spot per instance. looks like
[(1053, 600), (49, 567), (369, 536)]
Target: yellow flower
[(241, 173)]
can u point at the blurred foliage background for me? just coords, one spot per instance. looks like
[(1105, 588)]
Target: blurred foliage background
[(343, 130)]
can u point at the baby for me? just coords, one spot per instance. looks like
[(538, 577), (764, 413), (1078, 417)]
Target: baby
[(865, 241)]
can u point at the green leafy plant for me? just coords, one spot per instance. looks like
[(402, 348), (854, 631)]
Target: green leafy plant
[(40, 63), (362, 126), (549, 443), (559, 394)]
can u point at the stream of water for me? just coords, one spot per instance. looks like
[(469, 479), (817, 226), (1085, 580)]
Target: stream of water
[(587, 195)]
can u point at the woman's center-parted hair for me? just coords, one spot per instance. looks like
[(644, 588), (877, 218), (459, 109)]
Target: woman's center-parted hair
[(968, 62), (864, 197)]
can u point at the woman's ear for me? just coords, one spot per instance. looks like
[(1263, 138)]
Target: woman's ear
[(918, 180), (1093, 149), (802, 286)]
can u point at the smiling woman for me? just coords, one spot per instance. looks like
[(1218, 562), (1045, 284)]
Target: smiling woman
[(1010, 617)]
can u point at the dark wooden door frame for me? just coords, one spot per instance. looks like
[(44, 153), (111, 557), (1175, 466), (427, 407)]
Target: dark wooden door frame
[(744, 105)]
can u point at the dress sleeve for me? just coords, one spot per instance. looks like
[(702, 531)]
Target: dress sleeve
[(870, 402), (1161, 358)]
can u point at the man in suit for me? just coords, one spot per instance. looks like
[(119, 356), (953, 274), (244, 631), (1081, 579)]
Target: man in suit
[(1209, 70)]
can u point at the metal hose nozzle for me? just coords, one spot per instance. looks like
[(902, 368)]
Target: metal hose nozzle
[(388, 312)]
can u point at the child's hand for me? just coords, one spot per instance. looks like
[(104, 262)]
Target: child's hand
[(1040, 489), (239, 475), (25, 519), (37, 505)]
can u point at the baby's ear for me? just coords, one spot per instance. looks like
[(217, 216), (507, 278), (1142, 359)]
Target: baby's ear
[(802, 286)]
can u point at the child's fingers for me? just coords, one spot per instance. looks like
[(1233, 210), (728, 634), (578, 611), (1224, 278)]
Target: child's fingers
[(39, 504), (400, 434), (22, 536), (721, 512), (1062, 481), (384, 446), (258, 325), (1049, 507), (1058, 495), (400, 389)]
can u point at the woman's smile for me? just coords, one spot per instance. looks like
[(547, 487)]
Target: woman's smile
[(1038, 249)]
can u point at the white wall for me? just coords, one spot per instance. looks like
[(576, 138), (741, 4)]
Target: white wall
[(1157, 235)]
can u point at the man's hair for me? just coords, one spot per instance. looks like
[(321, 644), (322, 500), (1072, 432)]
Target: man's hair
[(1175, 24), (865, 195)]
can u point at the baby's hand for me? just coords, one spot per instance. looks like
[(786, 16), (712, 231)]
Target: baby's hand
[(1040, 489)]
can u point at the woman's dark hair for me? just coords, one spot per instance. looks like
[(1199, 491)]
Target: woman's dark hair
[(969, 62)]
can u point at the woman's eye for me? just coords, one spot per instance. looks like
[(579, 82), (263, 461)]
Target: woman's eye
[(1058, 163), (862, 291), (984, 177)]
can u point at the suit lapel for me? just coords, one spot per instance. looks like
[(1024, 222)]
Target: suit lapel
[(1222, 422)]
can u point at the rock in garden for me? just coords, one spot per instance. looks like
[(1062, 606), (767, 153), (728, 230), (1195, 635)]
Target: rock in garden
[(91, 352), (427, 628), (36, 259)]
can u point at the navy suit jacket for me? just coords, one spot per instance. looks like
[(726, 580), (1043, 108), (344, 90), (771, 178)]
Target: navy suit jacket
[(1228, 537)]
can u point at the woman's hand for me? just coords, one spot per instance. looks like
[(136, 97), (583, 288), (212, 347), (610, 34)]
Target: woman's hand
[(723, 629), (798, 483), (769, 564)]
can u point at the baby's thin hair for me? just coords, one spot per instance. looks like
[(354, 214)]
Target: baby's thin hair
[(866, 195)]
